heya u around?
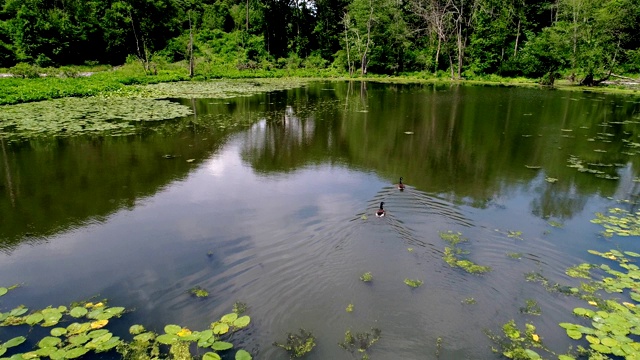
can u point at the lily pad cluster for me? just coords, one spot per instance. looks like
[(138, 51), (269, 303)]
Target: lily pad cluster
[(78, 116), (614, 325), (593, 168), (620, 222), (86, 332), (218, 89), (452, 255)]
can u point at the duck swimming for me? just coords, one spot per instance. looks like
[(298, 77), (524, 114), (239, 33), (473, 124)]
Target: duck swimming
[(400, 185), (380, 212)]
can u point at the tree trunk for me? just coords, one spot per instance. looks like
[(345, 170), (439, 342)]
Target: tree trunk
[(191, 62), (515, 48)]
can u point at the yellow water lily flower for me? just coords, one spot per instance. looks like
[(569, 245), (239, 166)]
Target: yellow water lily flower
[(100, 304), (628, 304), (88, 305), (535, 337), (593, 303), (99, 324), (184, 332)]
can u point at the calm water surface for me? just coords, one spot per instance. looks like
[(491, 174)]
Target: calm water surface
[(279, 214)]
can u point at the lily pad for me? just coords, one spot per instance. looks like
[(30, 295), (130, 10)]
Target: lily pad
[(14, 342), (211, 356), (78, 312), (221, 345), (241, 322), (243, 355)]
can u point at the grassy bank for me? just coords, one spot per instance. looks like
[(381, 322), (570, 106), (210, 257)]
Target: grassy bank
[(122, 81)]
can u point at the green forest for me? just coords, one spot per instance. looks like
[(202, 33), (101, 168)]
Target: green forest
[(585, 41)]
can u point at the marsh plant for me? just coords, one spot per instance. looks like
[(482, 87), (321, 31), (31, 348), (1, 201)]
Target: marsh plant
[(360, 342), (298, 345), (88, 332)]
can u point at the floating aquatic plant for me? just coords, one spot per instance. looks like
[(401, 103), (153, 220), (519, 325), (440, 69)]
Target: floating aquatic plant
[(555, 224), (413, 283), (518, 344), (360, 342), (77, 116), (469, 301), (350, 308), (531, 308), (452, 254), (620, 222), (298, 345), (88, 333), (515, 256), (239, 307), (366, 277), (198, 291)]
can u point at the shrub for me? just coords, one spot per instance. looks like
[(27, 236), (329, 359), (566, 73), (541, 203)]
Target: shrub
[(25, 71)]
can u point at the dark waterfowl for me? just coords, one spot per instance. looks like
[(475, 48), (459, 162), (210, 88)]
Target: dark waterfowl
[(400, 185), (380, 212)]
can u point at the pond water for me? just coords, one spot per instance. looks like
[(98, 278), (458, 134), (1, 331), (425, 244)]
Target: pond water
[(279, 213)]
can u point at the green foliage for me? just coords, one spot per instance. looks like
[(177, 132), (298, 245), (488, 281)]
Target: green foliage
[(518, 344), (452, 254), (24, 70), (197, 291), (360, 342), (413, 283), (366, 277), (621, 222), (298, 345)]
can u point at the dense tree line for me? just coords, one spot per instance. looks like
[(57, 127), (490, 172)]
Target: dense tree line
[(587, 40)]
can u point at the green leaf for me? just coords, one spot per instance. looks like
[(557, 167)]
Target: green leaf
[(220, 328), (75, 353), (18, 311), (58, 354), (167, 339), (574, 334), (532, 354), (3, 290), (601, 348), (221, 345), (14, 342), (109, 344), (211, 356), (241, 322), (78, 312), (145, 337), (243, 355), (59, 331), (172, 329), (136, 329), (34, 318), (49, 341), (229, 318), (79, 339)]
